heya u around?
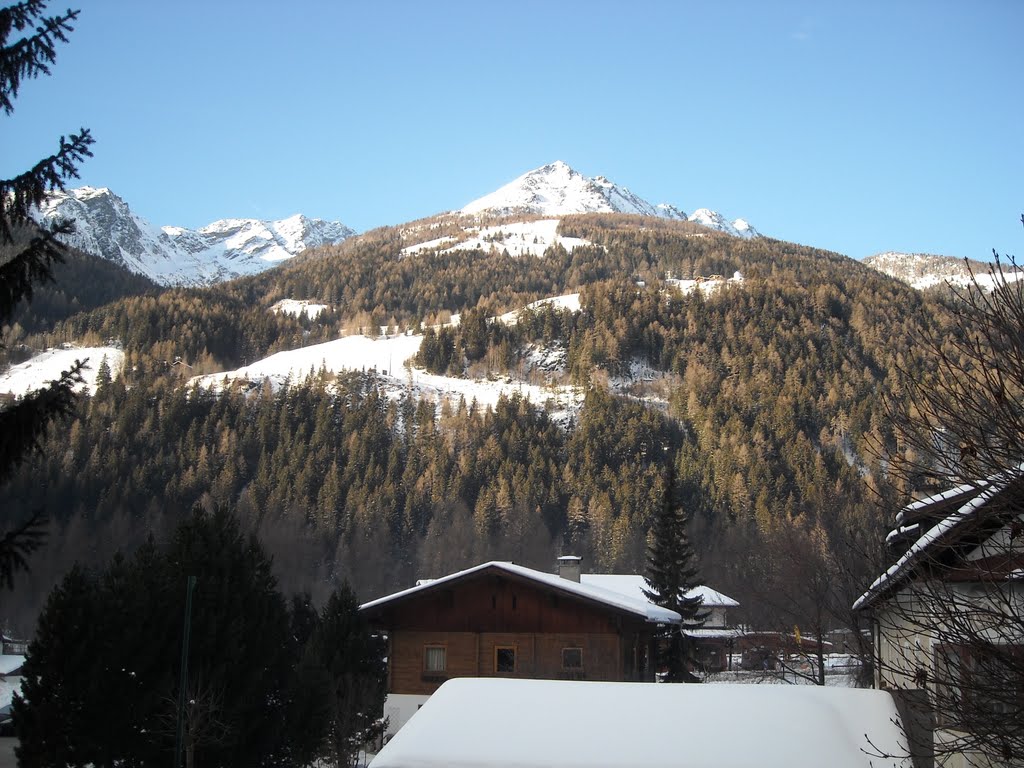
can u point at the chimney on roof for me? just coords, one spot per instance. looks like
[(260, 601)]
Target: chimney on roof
[(569, 567)]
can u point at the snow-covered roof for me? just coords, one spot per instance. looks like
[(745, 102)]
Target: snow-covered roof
[(623, 602), (934, 534), (632, 585), (505, 722), (935, 499)]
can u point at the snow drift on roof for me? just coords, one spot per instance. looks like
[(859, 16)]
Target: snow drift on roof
[(523, 723), (633, 585), (920, 547)]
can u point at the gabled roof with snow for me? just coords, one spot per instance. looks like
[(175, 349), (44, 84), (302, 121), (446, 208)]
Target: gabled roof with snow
[(633, 585), (954, 519), (484, 722), (587, 592)]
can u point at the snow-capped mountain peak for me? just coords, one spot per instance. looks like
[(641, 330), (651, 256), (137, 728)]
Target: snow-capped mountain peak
[(715, 220), (557, 189), (106, 226)]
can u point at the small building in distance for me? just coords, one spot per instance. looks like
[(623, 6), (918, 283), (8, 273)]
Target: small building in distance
[(713, 642)]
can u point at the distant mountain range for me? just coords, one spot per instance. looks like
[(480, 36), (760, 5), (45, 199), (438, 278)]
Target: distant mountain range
[(923, 270), (228, 248), (558, 190)]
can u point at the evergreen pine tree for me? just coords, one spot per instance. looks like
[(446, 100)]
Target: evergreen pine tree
[(354, 661), (100, 685), (28, 253), (671, 574), (308, 715)]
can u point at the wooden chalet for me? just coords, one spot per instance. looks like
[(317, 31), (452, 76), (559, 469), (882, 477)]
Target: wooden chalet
[(504, 620)]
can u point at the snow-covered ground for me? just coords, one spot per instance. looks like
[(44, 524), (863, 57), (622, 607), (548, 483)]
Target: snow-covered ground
[(296, 307), (39, 371), (519, 238)]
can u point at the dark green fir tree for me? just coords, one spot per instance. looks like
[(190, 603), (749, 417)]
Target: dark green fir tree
[(671, 576), (28, 40), (354, 661)]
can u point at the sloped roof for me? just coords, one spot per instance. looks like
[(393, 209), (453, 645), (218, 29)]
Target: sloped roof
[(617, 600), (633, 585), (949, 520), (485, 722)]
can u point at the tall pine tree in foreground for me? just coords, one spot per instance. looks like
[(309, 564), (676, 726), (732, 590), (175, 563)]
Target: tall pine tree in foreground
[(671, 574), (28, 253), (266, 686)]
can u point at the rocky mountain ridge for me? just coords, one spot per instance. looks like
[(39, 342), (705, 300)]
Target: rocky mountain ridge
[(106, 226), (557, 189)]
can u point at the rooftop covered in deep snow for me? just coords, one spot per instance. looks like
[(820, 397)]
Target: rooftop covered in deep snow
[(522, 723)]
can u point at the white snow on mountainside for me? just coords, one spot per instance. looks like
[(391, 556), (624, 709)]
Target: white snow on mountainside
[(391, 359), (540, 379), (105, 226), (923, 270), (518, 238), (558, 190)]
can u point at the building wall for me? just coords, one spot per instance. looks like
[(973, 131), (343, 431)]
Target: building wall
[(910, 629), (716, 618), (398, 708), (472, 654)]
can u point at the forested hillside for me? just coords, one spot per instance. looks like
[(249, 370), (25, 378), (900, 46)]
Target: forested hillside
[(766, 394)]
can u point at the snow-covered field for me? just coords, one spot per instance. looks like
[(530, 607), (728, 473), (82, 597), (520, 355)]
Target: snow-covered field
[(518, 238), (39, 371)]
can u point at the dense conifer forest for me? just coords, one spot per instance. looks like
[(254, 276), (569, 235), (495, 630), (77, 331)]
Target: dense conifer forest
[(767, 397)]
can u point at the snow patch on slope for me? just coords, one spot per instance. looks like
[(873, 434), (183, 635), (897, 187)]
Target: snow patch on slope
[(569, 301), (391, 359), (37, 372), (520, 238), (296, 307)]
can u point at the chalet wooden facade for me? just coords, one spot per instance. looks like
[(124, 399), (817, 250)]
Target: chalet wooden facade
[(505, 620)]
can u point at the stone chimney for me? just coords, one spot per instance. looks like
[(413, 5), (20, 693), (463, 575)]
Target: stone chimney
[(569, 567)]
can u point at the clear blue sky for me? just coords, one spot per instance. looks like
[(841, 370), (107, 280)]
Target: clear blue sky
[(853, 126)]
